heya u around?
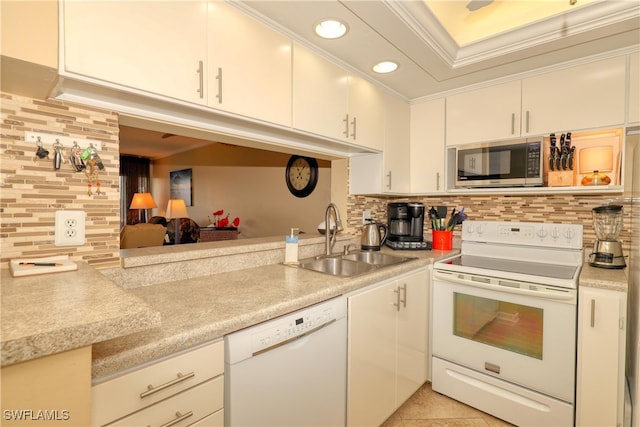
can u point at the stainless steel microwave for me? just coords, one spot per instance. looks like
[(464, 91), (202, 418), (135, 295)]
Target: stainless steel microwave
[(515, 163)]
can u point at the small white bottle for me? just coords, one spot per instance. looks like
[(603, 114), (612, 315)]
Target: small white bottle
[(291, 247)]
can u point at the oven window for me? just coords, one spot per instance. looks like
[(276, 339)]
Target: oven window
[(512, 327)]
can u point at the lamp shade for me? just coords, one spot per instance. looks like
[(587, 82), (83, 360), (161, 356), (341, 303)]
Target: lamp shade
[(176, 208), (596, 159), (142, 201)]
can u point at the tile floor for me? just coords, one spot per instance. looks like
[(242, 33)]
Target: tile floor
[(427, 408)]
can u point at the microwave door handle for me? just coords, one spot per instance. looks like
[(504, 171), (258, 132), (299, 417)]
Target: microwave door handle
[(485, 283)]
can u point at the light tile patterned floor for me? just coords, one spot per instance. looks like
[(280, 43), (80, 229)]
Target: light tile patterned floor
[(427, 408)]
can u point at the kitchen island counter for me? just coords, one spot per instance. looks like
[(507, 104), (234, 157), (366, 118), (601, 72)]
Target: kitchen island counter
[(198, 310)]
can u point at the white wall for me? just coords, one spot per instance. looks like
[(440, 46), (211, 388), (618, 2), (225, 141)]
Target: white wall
[(246, 183)]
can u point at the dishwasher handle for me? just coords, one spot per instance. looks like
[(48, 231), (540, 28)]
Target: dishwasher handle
[(292, 339)]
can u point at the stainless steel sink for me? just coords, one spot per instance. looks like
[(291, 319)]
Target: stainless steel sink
[(351, 264), (376, 258), (337, 266)]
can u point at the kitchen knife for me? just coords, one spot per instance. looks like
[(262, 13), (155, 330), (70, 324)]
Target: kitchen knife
[(559, 156), (552, 152)]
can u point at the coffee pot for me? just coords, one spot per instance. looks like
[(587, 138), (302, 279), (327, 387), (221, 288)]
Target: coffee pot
[(374, 235)]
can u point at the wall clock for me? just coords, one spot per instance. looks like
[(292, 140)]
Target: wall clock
[(301, 175)]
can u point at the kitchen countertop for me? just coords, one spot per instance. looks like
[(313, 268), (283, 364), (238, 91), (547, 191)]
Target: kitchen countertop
[(47, 314), (604, 278), (198, 310)]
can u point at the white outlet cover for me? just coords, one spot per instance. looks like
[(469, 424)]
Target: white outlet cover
[(70, 228)]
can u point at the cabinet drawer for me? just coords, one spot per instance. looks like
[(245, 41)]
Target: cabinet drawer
[(135, 390), (183, 409)]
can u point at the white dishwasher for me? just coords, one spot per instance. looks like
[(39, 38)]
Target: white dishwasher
[(290, 371)]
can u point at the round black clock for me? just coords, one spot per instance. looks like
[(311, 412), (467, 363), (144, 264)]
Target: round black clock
[(301, 175)]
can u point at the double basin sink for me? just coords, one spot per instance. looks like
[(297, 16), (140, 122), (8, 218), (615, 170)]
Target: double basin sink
[(351, 264)]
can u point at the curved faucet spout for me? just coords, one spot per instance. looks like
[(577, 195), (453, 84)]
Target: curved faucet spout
[(330, 236)]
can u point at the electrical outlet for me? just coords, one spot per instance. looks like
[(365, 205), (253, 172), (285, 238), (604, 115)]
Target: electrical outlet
[(70, 228), (366, 216)]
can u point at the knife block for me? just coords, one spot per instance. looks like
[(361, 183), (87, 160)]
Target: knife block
[(561, 178)]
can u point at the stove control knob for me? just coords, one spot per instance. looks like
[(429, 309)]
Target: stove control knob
[(542, 233), (555, 233), (568, 233), (469, 229), (480, 229)]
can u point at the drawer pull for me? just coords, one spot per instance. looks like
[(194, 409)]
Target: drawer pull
[(180, 377), (179, 417)]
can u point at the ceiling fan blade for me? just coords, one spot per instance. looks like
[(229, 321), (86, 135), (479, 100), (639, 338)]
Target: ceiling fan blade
[(474, 5)]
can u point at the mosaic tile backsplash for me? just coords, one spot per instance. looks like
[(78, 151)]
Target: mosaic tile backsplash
[(558, 209), (31, 190)]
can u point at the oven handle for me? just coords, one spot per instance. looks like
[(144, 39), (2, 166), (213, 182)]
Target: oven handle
[(492, 284)]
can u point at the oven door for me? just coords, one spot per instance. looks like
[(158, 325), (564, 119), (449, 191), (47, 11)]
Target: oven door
[(507, 330)]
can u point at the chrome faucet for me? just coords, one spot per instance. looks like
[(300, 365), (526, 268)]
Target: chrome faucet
[(329, 237)]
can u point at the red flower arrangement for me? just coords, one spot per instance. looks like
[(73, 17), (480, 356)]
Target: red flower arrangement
[(220, 222)]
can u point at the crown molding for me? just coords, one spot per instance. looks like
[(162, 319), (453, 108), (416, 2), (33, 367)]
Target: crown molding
[(591, 17)]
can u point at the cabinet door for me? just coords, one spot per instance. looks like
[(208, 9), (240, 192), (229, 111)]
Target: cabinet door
[(366, 113), (152, 46), (601, 348), (397, 174), (249, 66), (633, 115), (427, 147), (412, 337), (486, 114), (319, 95), (372, 356), (582, 97)]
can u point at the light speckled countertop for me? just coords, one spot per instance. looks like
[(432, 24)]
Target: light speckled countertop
[(202, 309), (604, 278), (47, 314)]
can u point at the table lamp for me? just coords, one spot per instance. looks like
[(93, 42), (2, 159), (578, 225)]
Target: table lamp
[(176, 209), (594, 161), (142, 201)]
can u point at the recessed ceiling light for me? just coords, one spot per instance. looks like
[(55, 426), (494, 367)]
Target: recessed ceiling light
[(331, 28), (384, 67)]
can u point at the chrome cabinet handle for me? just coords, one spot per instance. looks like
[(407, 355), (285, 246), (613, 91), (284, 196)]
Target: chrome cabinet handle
[(513, 123), (353, 132), (397, 303), (404, 291), (593, 313), (438, 181), (527, 121), (179, 378), (179, 417), (219, 78), (389, 180), (346, 126), (200, 72)]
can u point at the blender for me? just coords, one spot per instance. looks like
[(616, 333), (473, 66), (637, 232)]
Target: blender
[(607, 250)]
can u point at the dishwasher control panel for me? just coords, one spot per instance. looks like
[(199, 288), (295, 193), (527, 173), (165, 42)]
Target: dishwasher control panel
[(292, 327)]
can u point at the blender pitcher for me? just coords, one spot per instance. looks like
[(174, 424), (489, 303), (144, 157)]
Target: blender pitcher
[(607, 250)]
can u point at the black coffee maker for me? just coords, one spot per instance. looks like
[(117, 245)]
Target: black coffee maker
[(405, 223)]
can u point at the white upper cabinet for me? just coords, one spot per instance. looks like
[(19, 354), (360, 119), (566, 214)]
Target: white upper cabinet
[(486, 114), (319, 95), (396, 172), (249, 66), (427, 160), (582, 97), (151, 46), (633, 113), (328, 101), (366, 113)]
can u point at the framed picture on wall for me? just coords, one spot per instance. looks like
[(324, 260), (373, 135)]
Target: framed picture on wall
[(180, 185)]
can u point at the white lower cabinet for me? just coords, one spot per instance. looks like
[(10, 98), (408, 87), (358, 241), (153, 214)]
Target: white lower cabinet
[(186, 389), (600, 379), (388, 347)]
